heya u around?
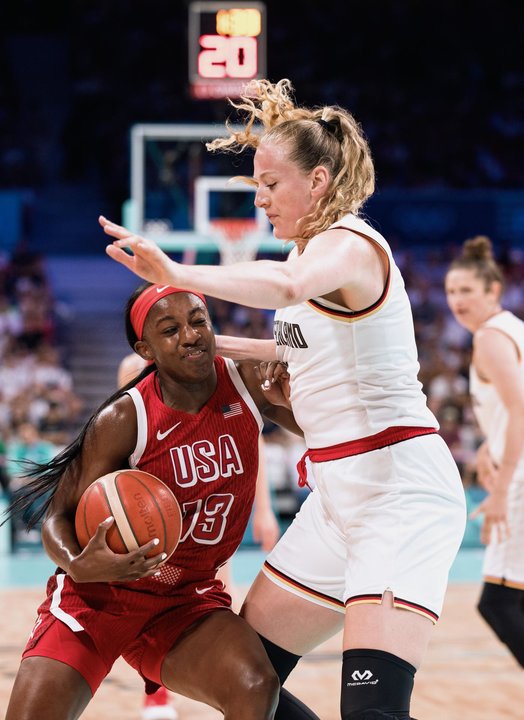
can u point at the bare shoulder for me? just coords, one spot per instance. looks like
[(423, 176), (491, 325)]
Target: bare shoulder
[(357, 265), (493, 342), (345, 246), (117, 418)]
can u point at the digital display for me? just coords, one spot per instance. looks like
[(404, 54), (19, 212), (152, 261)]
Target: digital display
[(227, 47)]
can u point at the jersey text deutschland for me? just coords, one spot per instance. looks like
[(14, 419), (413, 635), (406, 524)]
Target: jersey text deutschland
[(288, 334)]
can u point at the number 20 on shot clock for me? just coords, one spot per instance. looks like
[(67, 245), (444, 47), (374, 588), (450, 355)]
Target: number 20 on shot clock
[(227, 47)]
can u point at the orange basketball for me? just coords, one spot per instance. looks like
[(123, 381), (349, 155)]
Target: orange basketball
[(143, 506)]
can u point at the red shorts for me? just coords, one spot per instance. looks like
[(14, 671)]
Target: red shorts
[(89, 625)]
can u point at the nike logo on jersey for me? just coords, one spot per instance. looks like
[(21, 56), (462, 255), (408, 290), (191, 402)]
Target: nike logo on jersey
[(201, 591), (162, 435)]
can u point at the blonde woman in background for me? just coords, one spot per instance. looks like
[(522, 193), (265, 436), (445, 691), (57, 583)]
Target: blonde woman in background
[(474, 287)]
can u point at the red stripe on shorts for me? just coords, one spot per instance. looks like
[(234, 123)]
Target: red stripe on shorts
[(384, 438)]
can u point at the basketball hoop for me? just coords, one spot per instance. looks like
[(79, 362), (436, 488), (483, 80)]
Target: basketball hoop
[(238, 239)]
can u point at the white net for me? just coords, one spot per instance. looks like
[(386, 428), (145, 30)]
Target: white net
[(238, 239)]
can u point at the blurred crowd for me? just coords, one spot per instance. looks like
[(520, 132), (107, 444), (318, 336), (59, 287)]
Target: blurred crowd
[(437, 86), (38, 404)]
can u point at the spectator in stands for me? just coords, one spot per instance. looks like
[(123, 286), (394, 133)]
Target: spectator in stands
[(26, 445)]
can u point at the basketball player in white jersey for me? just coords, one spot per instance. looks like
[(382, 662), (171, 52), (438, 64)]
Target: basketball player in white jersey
[(474, 285), (371, 547)]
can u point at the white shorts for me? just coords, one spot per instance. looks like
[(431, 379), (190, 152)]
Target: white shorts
[(390, 519), (504, 561)]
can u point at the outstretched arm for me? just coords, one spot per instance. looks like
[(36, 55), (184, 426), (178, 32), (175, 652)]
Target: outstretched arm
[(256, 284), (332, 260), (238, 348)]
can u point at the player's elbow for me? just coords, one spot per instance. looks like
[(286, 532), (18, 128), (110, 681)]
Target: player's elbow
[(292, 289), (515, 408)]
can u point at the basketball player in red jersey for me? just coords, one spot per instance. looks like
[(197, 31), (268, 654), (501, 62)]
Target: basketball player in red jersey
[(265, 530), (193, 419)]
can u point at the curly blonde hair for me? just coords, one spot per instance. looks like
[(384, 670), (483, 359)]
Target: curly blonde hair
[(328, 136)]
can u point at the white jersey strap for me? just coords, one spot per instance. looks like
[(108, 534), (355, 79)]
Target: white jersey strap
[(141, 421), (243, 391)]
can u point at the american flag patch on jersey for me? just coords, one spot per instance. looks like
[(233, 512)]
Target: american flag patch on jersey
[(231, 410)]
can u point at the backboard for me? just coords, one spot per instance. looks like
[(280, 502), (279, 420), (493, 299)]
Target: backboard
[(178, 188)]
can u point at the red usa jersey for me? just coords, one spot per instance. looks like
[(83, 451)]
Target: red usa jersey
[(210, 462)]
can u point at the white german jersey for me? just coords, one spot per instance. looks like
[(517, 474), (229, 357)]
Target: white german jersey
[(489, 409), (353, 374)]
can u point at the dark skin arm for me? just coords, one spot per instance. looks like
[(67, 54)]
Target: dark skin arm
[(108, 444), (273, 403)]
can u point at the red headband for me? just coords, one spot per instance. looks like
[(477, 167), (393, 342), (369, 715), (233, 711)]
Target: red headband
[(147, 299)]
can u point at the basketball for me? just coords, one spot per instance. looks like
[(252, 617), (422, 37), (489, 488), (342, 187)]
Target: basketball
[(143, 506)]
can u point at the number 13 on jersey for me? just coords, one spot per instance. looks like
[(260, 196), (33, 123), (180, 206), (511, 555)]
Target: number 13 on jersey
[(227, 47)]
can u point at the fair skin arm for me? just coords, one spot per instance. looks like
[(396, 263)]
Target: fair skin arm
[(239, 348), (496, 360), (265, 523), (486, 470), (333, 260)]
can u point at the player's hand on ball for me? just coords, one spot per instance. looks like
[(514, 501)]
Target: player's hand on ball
[(147, 260), (98, 563)]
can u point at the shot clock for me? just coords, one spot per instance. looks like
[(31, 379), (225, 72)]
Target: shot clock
[(227, 47)]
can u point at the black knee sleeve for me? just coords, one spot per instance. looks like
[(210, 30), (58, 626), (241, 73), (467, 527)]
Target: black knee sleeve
[(502, 609), (497, 604), (289, 707), (371, 715), (375, 681), (282, 660)]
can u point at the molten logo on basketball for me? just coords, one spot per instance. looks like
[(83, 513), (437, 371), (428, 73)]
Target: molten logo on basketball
[(144, 512), (143, 508)]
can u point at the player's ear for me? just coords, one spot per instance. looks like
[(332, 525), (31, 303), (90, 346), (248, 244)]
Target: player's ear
[(320, 179), (495, 288), (142, 349)]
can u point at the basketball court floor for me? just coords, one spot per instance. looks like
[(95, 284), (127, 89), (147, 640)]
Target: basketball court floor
[(467, 675)]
